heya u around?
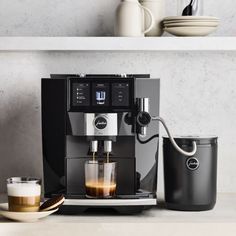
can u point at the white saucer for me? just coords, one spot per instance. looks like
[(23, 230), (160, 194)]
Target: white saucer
[(191, 18), (190, 31), (205, 23), (23, 216)]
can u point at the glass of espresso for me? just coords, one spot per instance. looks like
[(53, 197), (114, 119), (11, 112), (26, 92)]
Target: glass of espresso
[(23, 194), (100, 179)]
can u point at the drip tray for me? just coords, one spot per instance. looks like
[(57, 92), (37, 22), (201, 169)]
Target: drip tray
[(121, 206)]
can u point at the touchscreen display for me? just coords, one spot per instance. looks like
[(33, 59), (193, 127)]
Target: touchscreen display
[(100, 94), (120, 94), (81, 94)]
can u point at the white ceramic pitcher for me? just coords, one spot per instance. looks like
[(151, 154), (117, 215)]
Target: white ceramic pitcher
[(157, 7), (130, 19)]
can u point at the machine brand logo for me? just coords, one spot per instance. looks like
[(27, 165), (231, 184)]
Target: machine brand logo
[(100, 123), (192, 163)]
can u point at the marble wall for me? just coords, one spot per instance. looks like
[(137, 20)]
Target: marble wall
[(197, 88)]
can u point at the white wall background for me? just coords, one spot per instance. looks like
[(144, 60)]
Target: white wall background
[(198, 90), (87, 17)]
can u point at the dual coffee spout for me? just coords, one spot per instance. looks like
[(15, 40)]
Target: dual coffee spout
[(107, 147)]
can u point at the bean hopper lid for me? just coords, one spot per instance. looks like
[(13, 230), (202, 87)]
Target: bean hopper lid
[(188, 139)]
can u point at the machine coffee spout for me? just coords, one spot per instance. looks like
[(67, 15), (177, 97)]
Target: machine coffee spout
[(94, 146), (107, 148)]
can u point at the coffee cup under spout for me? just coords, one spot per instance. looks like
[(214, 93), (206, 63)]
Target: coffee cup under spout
[(100, 179)]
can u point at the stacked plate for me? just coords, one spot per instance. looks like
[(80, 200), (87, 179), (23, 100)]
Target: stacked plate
[(190, 25)]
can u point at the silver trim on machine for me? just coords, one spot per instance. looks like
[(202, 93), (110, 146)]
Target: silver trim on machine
[(107, 122), (111, 202)]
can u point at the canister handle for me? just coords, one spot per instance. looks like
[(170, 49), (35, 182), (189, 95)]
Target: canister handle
[(180, 150)]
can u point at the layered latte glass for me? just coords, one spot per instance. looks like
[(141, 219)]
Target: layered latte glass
[(23, 194)]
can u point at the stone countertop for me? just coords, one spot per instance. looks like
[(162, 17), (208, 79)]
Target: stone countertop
[(159, 221)]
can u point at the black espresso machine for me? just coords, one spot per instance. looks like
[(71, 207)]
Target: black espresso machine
[(103, 113)]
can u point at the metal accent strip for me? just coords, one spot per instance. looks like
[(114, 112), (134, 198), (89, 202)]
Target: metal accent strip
[(111, 202)]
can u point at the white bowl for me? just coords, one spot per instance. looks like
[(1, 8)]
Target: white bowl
[(23, 216), (181, 21), (190, 31), (179, 18)]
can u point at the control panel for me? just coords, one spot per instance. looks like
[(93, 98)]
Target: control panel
[(120, 94), (101, 95), (81, 94)]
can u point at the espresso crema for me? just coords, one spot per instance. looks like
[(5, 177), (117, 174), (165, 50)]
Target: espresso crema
[(100, 189)]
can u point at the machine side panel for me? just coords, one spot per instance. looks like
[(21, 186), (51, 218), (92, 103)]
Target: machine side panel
[(147, 154), (53, 134)]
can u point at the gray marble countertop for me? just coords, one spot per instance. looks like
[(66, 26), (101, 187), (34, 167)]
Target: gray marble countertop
[(221, 219)]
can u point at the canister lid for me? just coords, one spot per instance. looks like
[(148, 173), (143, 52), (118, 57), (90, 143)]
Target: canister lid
[(187, 139)]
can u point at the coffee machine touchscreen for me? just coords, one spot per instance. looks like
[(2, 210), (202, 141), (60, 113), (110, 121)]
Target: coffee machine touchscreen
[(106, 95), (100, 94), (81, 94), (120, 94)]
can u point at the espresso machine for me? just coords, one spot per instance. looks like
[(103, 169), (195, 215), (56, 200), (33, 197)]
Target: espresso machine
[(85, 114)]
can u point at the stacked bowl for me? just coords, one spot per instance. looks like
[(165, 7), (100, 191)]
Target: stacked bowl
[(190, 25)]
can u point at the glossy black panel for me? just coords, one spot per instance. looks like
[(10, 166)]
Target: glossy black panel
[(53, 133)]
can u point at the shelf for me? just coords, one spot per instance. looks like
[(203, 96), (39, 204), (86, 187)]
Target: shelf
[(117, 44)]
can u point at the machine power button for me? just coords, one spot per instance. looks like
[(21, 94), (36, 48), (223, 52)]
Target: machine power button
[(192, 163)]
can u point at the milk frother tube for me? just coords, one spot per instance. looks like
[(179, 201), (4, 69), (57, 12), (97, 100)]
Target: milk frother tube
[(180, 150), (144, 118)]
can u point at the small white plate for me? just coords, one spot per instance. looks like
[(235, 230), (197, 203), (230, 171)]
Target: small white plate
[(214, 24), (23, 216), (190, 31), (190, 18)]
